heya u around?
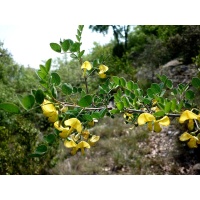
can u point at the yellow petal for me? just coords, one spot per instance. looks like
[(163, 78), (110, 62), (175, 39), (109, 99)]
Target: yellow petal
[(81, 145), (145, 117), (102, 69), (164, 121), (102, 75), (70, 144), (93, 140), (86, 65), (54, 117), (58, 126), (187, 115), (193, 142), (185, 136), (190, 124), (47, 107), (85, 134), (157, 127), (74, 123), (150, 126)]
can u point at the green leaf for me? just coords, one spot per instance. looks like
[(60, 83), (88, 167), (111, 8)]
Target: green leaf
[(41, 74), (48, 65), (122, 82), (150, 93), (125, 101), (163, 78), (146, 101), (41, 149), (10, 107), (130, 85), (96, 115), (39, 96), (50, 138), (114, 111), (27, 102), (78, 38), (73, 55), (168, 107), (120, 105), (155, 88), (159, 113), (54, 92), (116, 79), (55, 78), (87, 117), (75, 47), (196, 82), (56, 47), (80, 27), (85, 101), (173, 105), (43, 69), (81, 54), (189, 95), (65, 45), (169, 84), (103, 112), (67, 89)]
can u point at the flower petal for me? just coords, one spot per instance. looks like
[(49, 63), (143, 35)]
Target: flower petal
[(190, 124), (157, 127), (74, 123), (86, 65), (102, 75), (185, 136), (145, 117), (165, 121), (187, 115), (193, 142), (102, 69), (70, 144)]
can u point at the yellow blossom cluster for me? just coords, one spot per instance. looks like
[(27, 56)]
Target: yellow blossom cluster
[(189, 117), (88, 66), (186, 116), (71, 130)]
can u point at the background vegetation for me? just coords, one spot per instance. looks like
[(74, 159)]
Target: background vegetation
[(121, 150)]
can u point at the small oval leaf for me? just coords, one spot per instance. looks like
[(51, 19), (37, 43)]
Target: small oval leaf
[(10, 107)]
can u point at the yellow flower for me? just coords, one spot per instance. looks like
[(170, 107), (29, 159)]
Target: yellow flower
[(102, 70), (187, 115), (85, 134), (193, 141), (49, 111), (86, 66), (71, 125), (163, 121), (65, 132), (150, 119), (128, 116), (93, 140), (74, 123), (75, 147), (145, 117)]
